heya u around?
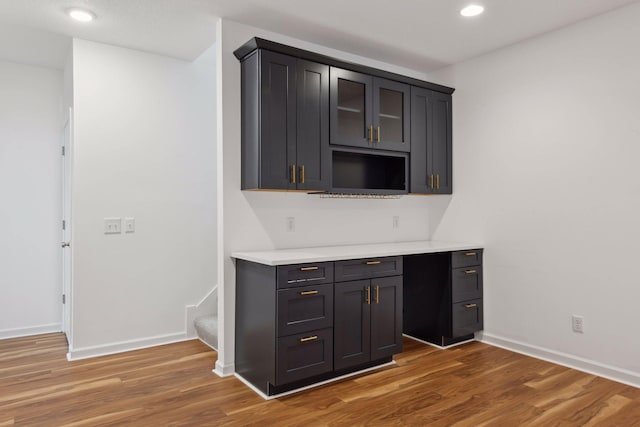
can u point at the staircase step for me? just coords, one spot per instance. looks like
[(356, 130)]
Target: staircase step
[(207, 329)]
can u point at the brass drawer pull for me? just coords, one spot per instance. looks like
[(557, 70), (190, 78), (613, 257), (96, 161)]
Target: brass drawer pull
[(308, 268), (303, 293), (373, 262), (293, 174), (378, 133), (368, 295), (471, 272), (471, 305), (377, 294), (431, 182), (438, 182), (470, 254), (302, 174), (308, 339), (371, 133)]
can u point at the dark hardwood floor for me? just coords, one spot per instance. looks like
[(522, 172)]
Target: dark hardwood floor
[(471, 385)]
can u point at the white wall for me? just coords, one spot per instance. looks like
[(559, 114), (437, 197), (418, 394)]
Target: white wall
[(256, 220), (546, 149), (30, 141), (144, 147)]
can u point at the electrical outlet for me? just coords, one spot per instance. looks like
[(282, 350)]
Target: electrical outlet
[(129, 225), (396, 222), (291, 223), (112, 226), (577, 323)]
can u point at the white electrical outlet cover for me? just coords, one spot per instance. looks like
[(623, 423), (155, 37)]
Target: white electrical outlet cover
[(129, 225), (112, 225)]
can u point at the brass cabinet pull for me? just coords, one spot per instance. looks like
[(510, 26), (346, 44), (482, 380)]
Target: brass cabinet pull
[(303, 293), (368, 295), (378, 133), (377, 294), (373, 262), (471, 305), (308, 268), (431, 182), (371, 133), (471, 272), (470, 254), (307, 339), (438, 182), (302, 174), (293, 174)]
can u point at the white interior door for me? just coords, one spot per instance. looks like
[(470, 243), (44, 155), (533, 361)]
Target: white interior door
[(66, 226)]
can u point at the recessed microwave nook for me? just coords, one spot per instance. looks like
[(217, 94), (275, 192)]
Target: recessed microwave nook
[(354, 171)]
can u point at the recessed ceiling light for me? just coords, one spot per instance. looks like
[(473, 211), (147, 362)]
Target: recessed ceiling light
[(81, 15), (472, 10)]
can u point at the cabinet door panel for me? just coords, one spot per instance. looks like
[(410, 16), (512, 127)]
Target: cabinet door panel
[(278, 120), (431, 139), (304, 355), (304, 309), (391, 104), (313, 126), (350, 107), (441, 130), (386, 317), (421, 181), (352, 324)]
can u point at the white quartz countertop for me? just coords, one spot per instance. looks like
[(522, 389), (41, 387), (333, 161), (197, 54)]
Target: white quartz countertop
[(338, 253)]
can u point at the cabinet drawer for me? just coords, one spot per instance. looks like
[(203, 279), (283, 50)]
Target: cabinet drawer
[(466, 317), (304, 309), (468, 258), (304, 355), (466, 283), (304, 274), (367, 268)]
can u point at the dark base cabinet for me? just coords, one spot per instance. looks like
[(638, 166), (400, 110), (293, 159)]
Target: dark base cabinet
[(295, 327), (443, 296)]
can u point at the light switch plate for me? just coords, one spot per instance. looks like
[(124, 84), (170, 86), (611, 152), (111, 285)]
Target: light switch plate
[(129, 225), (112, 225)]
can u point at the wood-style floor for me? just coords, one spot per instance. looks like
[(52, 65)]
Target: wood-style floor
[(470, 385)]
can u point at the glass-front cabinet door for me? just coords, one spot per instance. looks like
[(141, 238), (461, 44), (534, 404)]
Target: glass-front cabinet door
[(391, 101), (351, 108), (368, 111)]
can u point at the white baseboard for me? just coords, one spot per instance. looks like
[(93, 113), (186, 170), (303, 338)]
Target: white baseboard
[(190, 316), (585, 365), (31, 330), (224, 370), (122, 346), (310, 386)]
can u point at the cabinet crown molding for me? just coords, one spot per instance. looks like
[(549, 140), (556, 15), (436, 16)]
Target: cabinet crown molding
[(259, 43)]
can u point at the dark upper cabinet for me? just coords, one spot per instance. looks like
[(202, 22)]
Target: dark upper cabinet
[(312, 146), (431, 142), (315, 123), (284, 123), (369, 112)]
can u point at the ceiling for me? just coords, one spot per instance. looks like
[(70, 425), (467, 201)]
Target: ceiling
[(419, 34)]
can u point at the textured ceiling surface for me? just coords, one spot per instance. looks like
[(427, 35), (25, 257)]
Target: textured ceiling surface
[(417, 34)]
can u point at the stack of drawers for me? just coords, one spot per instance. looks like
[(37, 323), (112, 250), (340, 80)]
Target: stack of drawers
[(304, 321), (466, 292)]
